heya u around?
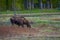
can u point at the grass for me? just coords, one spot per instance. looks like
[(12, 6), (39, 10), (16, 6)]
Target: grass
[(31, 11), (31, 38), (36, 20)]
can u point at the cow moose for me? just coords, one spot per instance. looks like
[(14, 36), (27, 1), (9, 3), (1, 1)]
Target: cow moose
[(20, 21)]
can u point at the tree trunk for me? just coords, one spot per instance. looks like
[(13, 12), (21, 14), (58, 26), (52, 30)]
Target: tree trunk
[(40, 4), (26, 3), (13, 5), (49, 4), (32, 4)]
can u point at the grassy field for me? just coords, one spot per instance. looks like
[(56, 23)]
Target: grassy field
[(32, 38), (37, 21), (43, 21), (31, 11)]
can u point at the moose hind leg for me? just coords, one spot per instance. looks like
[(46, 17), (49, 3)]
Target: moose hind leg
[(28, 25), (22, 25)]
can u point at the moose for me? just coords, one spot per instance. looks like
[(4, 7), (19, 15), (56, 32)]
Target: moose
[(20, 21)]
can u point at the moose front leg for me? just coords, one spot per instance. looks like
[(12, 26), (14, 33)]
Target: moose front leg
[(28, 25), (22, 25)]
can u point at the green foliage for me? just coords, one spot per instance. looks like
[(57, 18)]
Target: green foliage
[(2, 4), (35, 1), (44, 1), (54, 3), (20, 3)]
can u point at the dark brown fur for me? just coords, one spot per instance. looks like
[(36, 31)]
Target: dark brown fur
[(20, 21)]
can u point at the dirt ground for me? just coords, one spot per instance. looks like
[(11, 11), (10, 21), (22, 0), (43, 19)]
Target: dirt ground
[(38, 31)]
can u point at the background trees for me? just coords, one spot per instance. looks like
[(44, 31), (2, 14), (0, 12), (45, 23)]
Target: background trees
[(28, 4), (2, 4)]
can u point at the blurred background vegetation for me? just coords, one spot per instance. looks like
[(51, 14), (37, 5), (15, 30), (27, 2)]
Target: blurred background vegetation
[(34, 7), (39, 8), (30, 5)]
